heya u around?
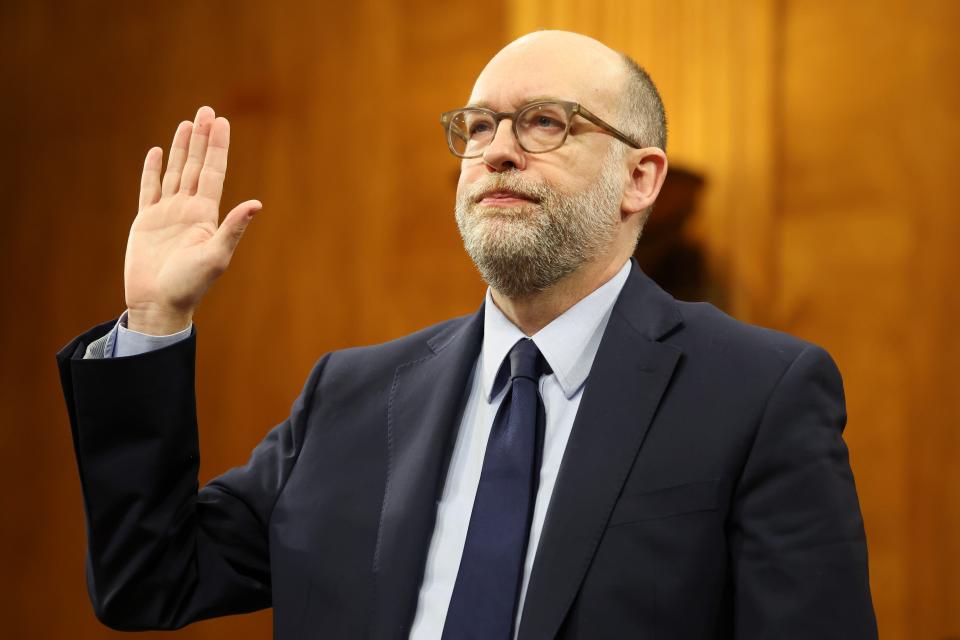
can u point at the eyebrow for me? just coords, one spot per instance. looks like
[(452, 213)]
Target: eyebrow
[(483, 104)]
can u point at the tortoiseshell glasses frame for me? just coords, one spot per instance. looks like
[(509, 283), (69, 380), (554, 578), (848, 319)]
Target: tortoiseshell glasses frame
[(539, 127)]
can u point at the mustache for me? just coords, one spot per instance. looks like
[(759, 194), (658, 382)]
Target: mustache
[(507, 183)]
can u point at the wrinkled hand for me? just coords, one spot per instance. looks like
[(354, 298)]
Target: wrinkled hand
[(176, 248)]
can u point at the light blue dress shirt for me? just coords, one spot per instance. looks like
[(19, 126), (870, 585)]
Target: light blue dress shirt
[(569, 344), (122, 342)]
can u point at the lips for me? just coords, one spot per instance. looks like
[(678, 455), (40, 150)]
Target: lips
[(503, 196)]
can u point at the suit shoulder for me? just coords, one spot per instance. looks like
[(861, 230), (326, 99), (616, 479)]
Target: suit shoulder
[(388, 355), (709, 330), (358, 372)]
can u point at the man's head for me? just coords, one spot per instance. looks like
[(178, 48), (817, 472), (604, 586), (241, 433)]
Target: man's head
[(530, 219)]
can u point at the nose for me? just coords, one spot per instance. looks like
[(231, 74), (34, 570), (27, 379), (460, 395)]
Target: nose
[(504, 152)]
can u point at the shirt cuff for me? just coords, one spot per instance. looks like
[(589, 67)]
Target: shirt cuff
[(132, 343)]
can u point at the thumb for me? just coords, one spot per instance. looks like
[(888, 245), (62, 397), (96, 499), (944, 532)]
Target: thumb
[(234, 224)]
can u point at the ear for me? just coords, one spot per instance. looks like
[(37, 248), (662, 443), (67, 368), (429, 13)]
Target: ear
[(648, 168)]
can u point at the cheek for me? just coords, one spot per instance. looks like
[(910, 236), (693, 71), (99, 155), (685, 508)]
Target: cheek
[(469, 175), (462, 187), (470, 172)]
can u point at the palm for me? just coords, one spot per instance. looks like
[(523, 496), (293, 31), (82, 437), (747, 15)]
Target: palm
[(176, 247)]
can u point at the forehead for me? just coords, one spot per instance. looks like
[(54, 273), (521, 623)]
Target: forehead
[(551, 64)]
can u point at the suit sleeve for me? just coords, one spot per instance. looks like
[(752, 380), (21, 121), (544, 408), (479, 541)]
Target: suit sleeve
[(162, 553), (798, 549)]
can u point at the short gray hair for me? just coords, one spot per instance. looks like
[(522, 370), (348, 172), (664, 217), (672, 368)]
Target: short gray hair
[(644, 118)]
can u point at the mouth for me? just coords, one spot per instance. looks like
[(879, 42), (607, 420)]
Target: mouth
[(504, 198)]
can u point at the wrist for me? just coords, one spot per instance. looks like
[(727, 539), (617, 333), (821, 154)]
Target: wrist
[(157, 322)]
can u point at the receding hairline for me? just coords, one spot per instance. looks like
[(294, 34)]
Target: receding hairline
[(531, 38), (603, 72), (634, 96)]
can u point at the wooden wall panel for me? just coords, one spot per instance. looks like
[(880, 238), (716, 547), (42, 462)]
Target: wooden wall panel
[(335, 111), (867, 252)]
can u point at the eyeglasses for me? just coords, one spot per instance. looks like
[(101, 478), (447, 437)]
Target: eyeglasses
[(539, 127)]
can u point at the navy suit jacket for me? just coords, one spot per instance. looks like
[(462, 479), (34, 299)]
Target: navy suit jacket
[(705, 491)]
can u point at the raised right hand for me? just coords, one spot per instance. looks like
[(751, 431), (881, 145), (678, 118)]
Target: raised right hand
[(176, 248)]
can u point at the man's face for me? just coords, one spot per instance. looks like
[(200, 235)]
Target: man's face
[(528, 220)]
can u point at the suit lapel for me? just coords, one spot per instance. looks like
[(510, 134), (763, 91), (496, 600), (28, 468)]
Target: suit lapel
[(423, 413), (630, 373)]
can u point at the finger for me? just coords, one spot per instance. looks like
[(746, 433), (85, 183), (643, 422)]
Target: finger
[(215, 163), (178, 155), (150, 180), (197, 150), (234, 224)]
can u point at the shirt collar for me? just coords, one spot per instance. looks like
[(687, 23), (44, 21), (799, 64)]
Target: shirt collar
[(569, 343)]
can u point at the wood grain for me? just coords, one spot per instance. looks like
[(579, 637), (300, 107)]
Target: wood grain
[(335, 116)]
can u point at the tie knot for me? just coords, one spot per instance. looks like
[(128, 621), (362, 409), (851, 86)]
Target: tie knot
[(526, 361)]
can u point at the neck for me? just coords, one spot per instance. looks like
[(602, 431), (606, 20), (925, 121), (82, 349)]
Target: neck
[(535, 311)]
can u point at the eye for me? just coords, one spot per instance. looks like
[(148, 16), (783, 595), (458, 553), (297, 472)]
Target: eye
[(479, 127), (543, 121)]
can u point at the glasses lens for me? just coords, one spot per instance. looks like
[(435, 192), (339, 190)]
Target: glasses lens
[(542, 127), (470, 131)]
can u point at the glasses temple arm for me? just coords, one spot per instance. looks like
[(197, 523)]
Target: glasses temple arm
[(616, 133)]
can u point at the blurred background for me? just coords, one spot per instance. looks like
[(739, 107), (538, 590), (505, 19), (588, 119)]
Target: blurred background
[(816, 153)]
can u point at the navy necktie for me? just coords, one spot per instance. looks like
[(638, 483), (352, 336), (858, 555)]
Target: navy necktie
[(484, 600)]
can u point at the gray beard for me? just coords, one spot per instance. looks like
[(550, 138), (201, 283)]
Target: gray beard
[(529, 248)]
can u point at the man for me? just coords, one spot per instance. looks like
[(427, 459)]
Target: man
[(585, 457)]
